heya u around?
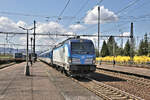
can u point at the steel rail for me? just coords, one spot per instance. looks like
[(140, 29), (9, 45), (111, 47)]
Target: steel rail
[(130, 78)]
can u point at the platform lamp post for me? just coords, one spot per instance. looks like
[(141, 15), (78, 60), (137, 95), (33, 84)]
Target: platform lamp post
[(27, 70)]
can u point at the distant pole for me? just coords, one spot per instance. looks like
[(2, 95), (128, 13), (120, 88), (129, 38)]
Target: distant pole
[(4, 48), (137, 42), (122, 43), (98, 30), (34, 40), (31, 48), (17, 50), (5, 43), (114, 54), (114, 49), (149, 45), (131, 42)]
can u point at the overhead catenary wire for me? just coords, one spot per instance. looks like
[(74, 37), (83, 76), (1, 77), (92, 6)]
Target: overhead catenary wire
[(80, 9), (126, 7), (34, 15), (61, 13), (98, 3), (118, 12), (139, 6), (53, 34), (24, 44), (80, 20), (56, 16), (46, 16), (22, 14), (129, 5)]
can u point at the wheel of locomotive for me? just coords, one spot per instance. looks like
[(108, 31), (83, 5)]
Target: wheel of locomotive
[(62, 70), (56, 67), (59, 68), (66, 73)]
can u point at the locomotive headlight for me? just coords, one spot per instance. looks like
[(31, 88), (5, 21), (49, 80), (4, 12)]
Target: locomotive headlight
[(94, 61), (69, 60)]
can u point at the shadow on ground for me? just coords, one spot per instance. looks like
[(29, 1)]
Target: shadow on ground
[(104, 78)]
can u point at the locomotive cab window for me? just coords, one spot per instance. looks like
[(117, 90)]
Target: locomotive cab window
[(82, 48)]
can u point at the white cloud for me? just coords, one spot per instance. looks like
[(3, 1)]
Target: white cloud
[(21, 23), (76, 27), (23, 39), (70, 33), (8, 25), (125, 34), (52, 27), (105, 16)]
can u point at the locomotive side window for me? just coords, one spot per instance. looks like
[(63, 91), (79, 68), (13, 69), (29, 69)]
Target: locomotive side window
[(63, 49)]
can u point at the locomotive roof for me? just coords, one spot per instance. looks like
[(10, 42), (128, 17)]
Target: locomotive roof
[(74, 39)]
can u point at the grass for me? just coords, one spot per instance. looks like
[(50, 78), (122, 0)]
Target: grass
[(7, 56)]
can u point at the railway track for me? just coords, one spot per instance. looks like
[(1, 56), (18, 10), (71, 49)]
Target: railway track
[(130, 78), (7, 65), (107, 92), (104, 91)]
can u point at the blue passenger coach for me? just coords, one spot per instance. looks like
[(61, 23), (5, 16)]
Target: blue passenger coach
[(46, 56), (74, 56)]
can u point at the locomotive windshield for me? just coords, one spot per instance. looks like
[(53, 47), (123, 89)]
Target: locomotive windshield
[(82, 48)]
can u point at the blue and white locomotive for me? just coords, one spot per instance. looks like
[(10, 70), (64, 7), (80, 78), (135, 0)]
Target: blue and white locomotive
[(74, 56)]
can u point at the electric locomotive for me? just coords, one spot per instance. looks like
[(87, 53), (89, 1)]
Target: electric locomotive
[(75, 56)]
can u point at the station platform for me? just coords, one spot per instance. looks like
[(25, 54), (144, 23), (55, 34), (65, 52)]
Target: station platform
[(141, 72), (44, 83)]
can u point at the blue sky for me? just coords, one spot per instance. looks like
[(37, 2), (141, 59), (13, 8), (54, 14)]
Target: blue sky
[(119, 23), (54, 7)]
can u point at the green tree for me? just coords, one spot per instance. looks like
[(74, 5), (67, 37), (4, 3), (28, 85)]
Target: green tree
[(97, 52), (119, 51), (111, 42), (104, 50), (149, 49), (127, 48), (143, 47)]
